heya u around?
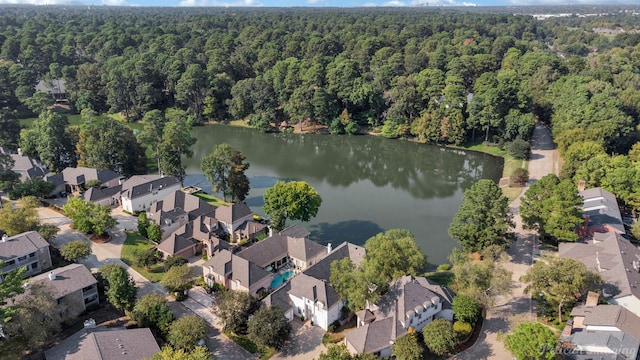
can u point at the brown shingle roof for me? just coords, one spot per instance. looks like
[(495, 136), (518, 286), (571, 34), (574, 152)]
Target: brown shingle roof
[(302, 286), (322, 269), (68, 279), (178, 203), (227, 264), (21, 244), (103, 343), (230, 214)]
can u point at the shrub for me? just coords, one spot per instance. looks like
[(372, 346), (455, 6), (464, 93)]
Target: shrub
[(444, 267), (519, 148), (462, 329), (519, 177), (173, 260)]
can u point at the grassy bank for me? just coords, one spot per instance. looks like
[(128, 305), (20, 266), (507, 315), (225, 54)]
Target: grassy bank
[(135, 243), (212, 199), (250, 346)]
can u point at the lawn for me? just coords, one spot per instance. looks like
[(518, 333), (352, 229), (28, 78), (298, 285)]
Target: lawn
[(444, 278), (133, 243), (212, 199)]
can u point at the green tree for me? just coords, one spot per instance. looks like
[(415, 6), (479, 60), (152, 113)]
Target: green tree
[(177, 278), (295, 200), (552, 208), (531, 341), (10, 287), (484, 280), (152, 310), (465, 308), (186, 331), (168, 353), (19, 219), (8, 178), (408, 347), (635, 230), (151, 134), (51, 141), (154, 232), (351, 284), (560, 282), (224, 168), (439, 337), (122, 290), (234, 307), (268, 327), (35, 187), (39, 102), (143, 224), (147, 257), (176, 142), (391, 255), (75, 250), (173, 260), (483, 218), (9, 132), (89, 217), (192, 89)]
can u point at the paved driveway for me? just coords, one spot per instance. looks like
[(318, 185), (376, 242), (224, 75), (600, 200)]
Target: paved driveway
[(305, 343)]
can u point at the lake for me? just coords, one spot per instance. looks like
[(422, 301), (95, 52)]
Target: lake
[(367, 184)]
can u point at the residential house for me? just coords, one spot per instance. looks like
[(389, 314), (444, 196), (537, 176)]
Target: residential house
[(139, 192), (237, 221), (278, 250), (616, 260), (103, 343), (103, 196), (28, 250), (73, 285), (601, 332), (75, 179), (56, 87), (28, 168), (236, 273), (178, 208), (309, 294), (411, 302), (201, 233), (601, 212)]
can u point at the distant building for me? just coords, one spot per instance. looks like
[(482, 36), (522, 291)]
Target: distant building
[(601, 212), (75, 179), (102, 343), (236, 273), (178, 208), (56, 87), (28, 168), (27, 250)]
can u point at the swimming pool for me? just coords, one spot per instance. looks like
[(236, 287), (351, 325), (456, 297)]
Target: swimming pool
[(281, 278)]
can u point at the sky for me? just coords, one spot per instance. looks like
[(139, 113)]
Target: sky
[(318, 3)]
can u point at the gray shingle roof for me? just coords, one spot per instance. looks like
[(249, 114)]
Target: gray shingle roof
[(276, 247), (374, 336), (27, 167), (235, 212), (103, 343), (248, 273), (179, 203), (322, 269), (80, 175), (96, 194), (612, 256), (296, 231), (280, 298), (610, 315), (602, 208), (21, 244), (140, 185), (68, 279), (618, 343), (302, 286), (56, 86)]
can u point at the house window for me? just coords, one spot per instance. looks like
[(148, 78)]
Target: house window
[(34, 266), (90, 298), (32, 255), (11, 262), (87, 288), (21, 258)]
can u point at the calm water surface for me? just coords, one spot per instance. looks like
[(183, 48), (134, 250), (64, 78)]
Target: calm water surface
[(367, 184)]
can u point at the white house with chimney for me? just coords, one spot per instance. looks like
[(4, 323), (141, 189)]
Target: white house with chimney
[(140, 191)]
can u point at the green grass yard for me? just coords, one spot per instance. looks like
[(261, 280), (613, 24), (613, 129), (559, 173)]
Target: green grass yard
[(212, 199), (133, 243)]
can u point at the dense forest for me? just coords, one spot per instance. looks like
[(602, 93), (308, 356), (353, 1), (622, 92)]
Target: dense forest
[(437, 76)]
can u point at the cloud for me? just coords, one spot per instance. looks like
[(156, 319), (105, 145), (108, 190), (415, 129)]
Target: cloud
[(248, 3), (315, 2), (567, 2), (43, 2), (401, 3)]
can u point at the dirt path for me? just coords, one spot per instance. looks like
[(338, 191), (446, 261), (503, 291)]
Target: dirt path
[(517, 307)]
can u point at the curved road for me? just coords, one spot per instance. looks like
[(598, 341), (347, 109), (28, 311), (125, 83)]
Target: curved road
[(517, 307)]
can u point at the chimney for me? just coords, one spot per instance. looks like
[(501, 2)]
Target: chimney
[(581, 185), (5, 238), (329, 248), (315, 294), (568, 329), (20, 151), (52, 275)]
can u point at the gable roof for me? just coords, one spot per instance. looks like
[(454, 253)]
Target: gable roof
[(280, 297), (103, 343), (322, 269), (305, 286), (176, 242), (611, 316), (140, 185), (236, 268), (276, 247), (620, 345), (233, 213), (68, 279), (21, 244), (602, 208), (97, 194), (27, 167), (374, 336), (81, 175), (613, 257), (56, 86), (177, 204), (296, 231)]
